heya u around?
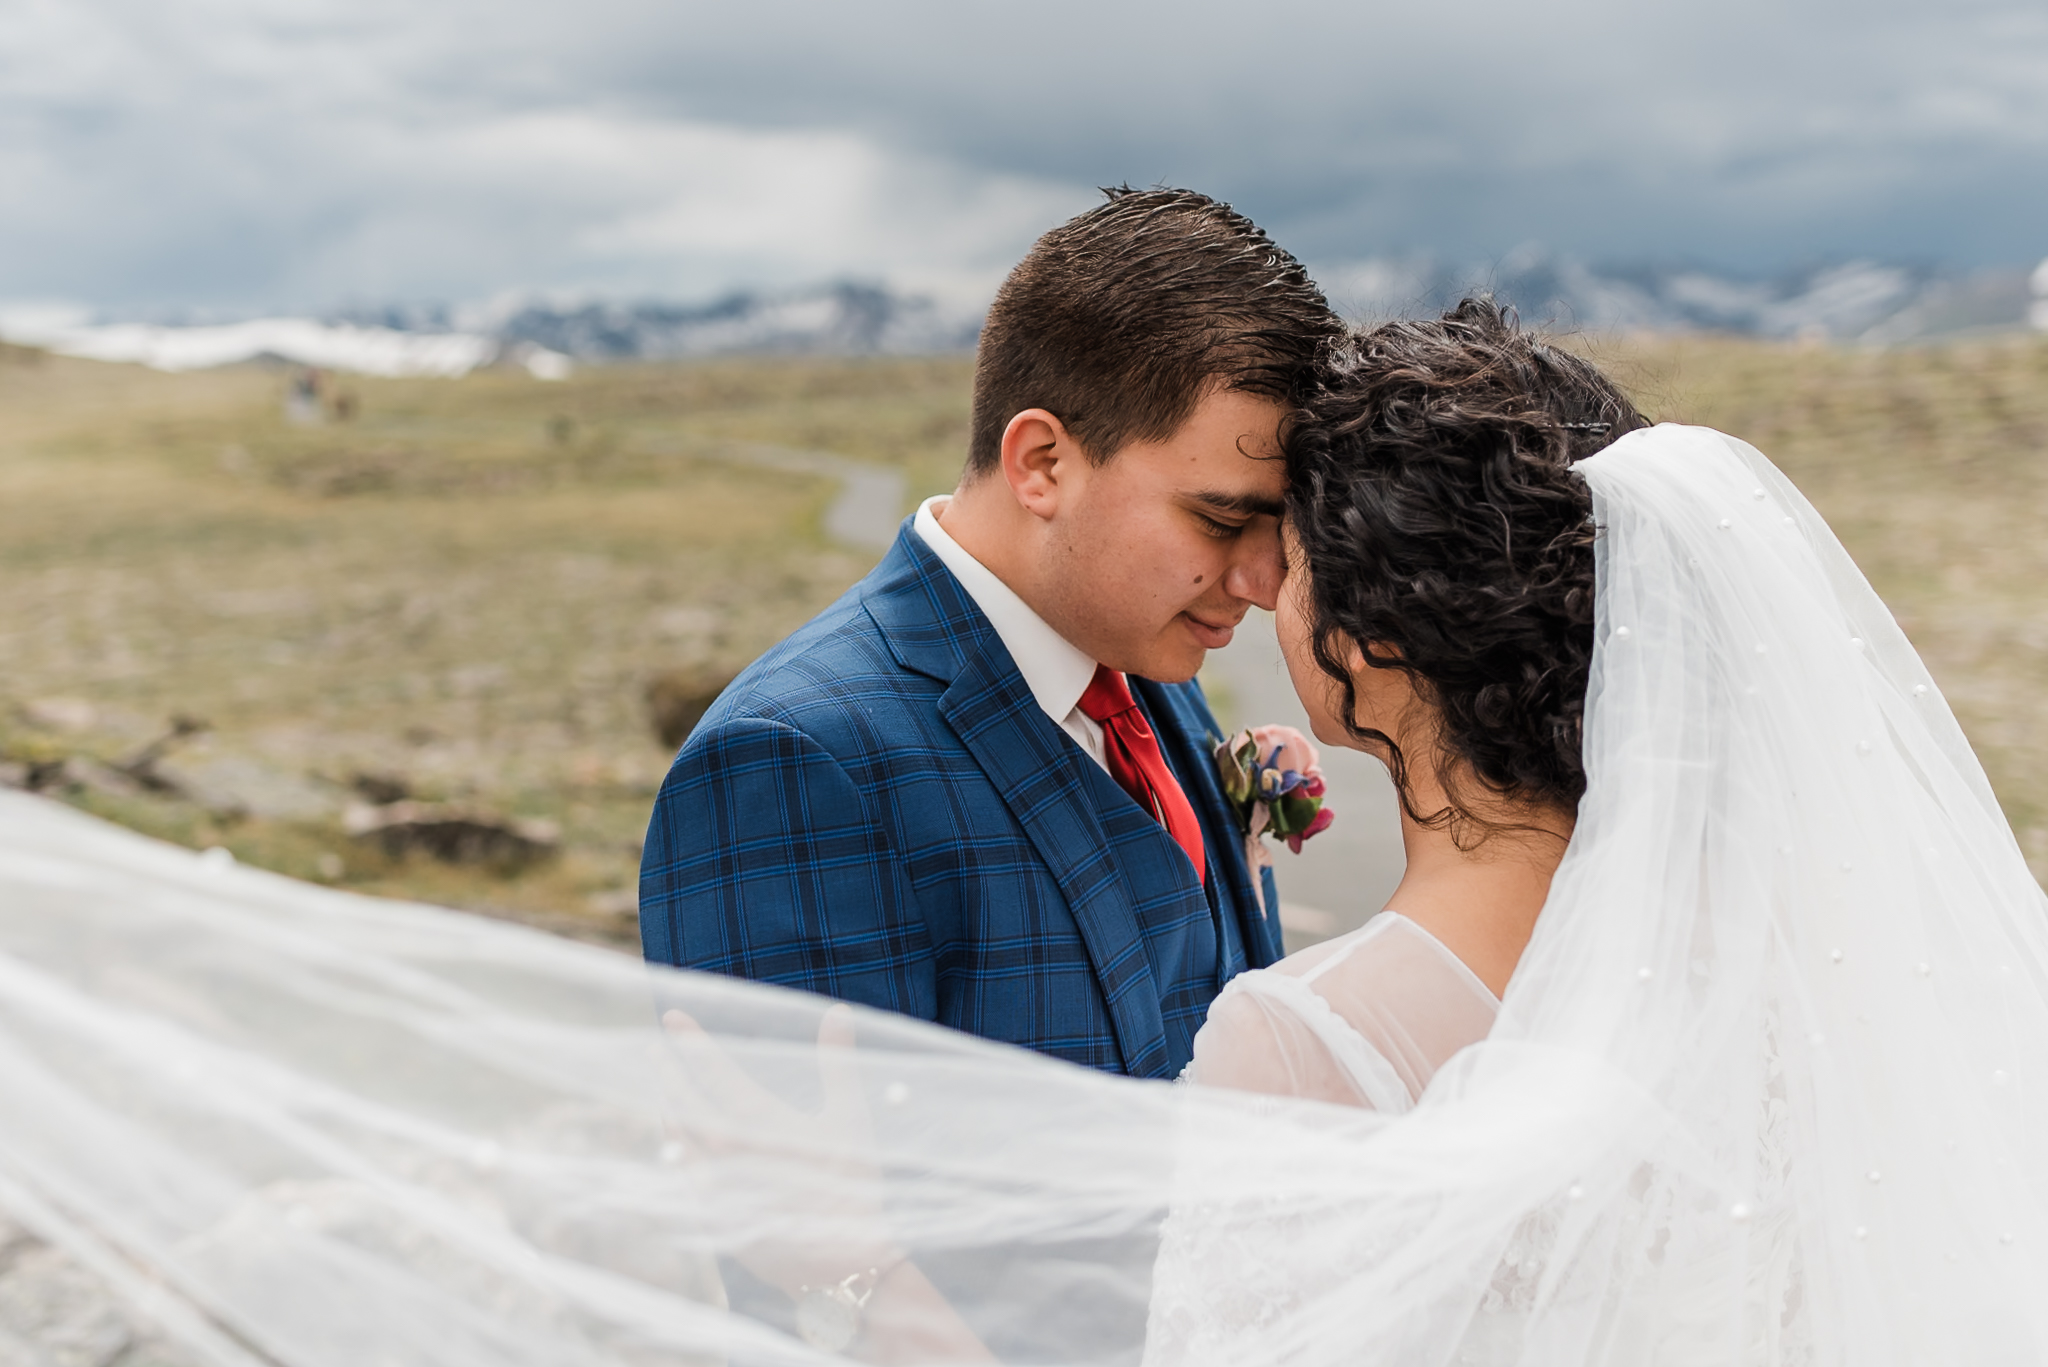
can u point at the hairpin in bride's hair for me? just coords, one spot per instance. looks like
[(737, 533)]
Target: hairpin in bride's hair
[(1596, 428)]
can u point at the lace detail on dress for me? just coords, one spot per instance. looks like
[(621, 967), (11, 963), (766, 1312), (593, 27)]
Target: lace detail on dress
[(1221, 1278), (1778, 1279), (1235, 1281), (1365, 1021), (1756, 1260)]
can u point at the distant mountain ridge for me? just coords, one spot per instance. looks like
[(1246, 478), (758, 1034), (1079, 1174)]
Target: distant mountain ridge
[(1857, 301), (837, 318), (840, 318), (1865, 302)]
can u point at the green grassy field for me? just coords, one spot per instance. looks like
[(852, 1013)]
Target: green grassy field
[(467, 586), (1931, 464)]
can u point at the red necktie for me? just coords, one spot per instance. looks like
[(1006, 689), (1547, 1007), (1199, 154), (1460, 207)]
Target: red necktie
[(1136, 763)]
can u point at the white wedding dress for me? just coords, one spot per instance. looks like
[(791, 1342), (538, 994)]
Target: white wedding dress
[(1769, 1086), (1363, 1020)]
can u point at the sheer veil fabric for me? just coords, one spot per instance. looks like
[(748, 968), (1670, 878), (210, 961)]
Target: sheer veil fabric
[(1770, 1085)]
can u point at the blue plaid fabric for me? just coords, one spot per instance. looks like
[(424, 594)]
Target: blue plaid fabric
[(877, 810)]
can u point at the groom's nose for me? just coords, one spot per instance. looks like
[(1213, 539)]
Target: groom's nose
[(1258, 568)]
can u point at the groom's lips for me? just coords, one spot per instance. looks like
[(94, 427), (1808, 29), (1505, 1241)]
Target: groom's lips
[(1206, 636)]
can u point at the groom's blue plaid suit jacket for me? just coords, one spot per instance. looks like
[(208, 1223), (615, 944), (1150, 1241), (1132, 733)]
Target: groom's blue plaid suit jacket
[(878, 810)]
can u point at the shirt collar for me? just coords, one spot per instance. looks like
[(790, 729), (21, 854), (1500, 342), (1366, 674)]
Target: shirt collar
[(1055, 670)]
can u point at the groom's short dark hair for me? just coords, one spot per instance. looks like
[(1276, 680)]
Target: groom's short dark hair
[(1119, 321)]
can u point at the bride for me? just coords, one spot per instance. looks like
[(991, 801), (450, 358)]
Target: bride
[(1709, 1024)]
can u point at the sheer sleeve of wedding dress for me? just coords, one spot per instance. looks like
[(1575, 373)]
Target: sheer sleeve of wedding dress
[(1363, 1020)]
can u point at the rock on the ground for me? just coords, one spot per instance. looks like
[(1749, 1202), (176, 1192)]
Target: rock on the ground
[(60, 714), (54, 1313), (451, 833), (233, 785), (79, 773)]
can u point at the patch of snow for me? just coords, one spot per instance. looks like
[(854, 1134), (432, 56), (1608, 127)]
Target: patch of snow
[(537, 360), (543, 364), (328, 346)]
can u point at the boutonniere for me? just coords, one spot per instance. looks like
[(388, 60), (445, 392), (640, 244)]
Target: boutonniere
[(1274, 782)]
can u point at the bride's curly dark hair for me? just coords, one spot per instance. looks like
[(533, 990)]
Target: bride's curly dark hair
[(1432, 495)]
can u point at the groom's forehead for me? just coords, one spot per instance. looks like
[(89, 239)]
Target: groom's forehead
[(1235, 438)]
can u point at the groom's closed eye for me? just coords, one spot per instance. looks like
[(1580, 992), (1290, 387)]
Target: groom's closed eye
[(1225, 515)]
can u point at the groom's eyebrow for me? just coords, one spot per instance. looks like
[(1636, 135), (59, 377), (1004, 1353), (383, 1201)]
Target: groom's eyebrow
[(1243, 505)]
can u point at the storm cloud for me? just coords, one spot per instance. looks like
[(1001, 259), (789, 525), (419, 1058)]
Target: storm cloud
[(235, 154)]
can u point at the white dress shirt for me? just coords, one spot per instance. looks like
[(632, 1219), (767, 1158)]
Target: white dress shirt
[(1055, 670)]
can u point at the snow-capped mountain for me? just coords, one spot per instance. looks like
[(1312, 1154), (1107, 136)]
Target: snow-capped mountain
[(303, 341), (839, 319), (1866, 302), (1861, 301), (548, 339)]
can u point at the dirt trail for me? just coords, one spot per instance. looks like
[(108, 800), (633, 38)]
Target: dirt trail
[(870, 504)]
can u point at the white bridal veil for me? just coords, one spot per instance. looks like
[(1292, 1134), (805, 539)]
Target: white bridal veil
[(1770, 1085)]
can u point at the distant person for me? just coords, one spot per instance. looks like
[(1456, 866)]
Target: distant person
[(981, 788), (302, 400)]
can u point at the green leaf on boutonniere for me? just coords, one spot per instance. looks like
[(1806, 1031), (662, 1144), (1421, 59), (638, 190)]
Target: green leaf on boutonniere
[(1294, 814), (1237, 761)]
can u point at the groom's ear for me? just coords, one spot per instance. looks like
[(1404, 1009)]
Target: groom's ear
[(1041, 461)]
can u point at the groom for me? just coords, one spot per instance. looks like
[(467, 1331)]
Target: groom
[(979, 788)]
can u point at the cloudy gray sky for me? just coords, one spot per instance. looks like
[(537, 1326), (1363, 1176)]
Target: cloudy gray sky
[(245, 154)]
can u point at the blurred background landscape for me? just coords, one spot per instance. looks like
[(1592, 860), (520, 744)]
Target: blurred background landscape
[(437, 638)]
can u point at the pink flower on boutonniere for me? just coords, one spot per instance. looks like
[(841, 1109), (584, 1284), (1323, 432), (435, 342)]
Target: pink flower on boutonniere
[(1273, 778)]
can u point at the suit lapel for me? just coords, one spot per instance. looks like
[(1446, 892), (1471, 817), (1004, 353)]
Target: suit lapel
[(933, 627)]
